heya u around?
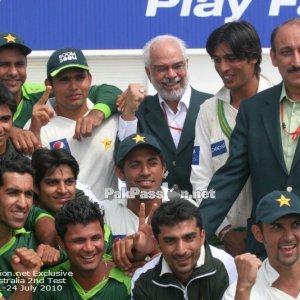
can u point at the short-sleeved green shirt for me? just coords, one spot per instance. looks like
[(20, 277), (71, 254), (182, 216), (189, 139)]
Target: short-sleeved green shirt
[(21, 238), (36, 214), (116, 287)]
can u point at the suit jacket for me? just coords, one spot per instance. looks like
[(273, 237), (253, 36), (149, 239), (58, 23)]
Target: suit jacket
[(151, 120), (256, 150)]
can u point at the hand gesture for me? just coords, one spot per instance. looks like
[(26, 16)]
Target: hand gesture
[(136, 247), (27, 263), (247, 266), (128, 102), (49, 255), (41, 113), (27, 141), (86, 125)]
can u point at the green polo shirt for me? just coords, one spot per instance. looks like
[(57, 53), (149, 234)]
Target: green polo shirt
[(35, 215), (291, 118), (62, 285), (21, 238)]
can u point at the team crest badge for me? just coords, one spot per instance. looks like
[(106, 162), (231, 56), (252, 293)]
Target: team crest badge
[(283, 201), (107, 143)]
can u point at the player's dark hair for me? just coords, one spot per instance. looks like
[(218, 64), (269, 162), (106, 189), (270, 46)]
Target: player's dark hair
[(46, 161), (241, 37), (17, 164), (78, 211), (7, 98), (173, 212)]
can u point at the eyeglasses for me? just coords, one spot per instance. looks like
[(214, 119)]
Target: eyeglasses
[(177, 67)]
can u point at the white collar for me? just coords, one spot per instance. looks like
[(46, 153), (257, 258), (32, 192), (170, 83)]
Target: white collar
[(270, 274), (224, 93)]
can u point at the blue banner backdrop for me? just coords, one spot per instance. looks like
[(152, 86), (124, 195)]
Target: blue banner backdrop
[(128, 24)]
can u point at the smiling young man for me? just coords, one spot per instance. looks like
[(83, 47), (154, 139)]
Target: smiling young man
[(140, 164), (55, 178), (68, 75), (13, 74), (13, 63), (8, 107), (188, 267), (16, 194), (236, 51), (264, 142), (278, 228), (86, 275), (56, 173)]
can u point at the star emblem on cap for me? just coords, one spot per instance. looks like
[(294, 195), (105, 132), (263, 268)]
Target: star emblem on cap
[(10, 38), (107, 143), (283, 201), (138, 138)]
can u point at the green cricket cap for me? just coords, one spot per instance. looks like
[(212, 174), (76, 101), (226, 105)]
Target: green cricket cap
[(66, 58), (11, 40), (275, 205), (133, 141)]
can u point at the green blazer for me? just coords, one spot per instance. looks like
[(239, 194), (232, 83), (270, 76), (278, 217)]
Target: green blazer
[(255, 150), (151, 120)]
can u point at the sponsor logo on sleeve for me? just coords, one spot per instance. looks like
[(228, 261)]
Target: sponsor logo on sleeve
[(196, 156), (218, 148)]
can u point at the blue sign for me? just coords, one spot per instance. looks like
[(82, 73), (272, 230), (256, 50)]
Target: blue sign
[(129, 24)]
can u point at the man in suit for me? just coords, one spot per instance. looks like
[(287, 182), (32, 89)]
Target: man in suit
[(170, 115), (264, 143)]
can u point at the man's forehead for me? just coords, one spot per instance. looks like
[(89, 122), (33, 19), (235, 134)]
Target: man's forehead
[(167, 61), (283, 33), (61, 169), (291, 217), (182, 228), (80, 230), (70, 72), (143, 151), (6, 53), (222, 49), (160, 54), (4, 110), (9, 178)]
